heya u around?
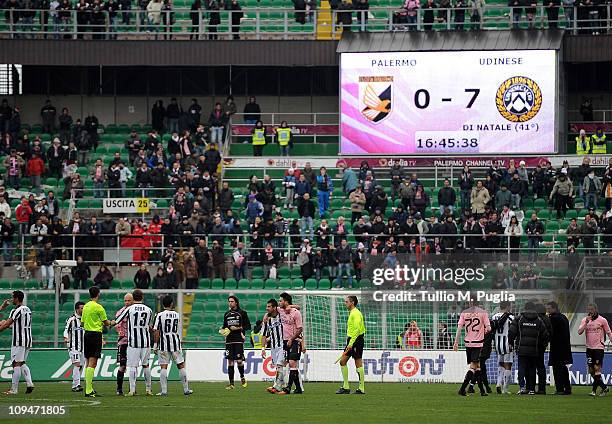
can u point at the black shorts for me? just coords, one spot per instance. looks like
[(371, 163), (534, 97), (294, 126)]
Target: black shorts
[(234, 351), (122, 355), (294, 353), (92, 341), (594, 357), (472, 354), (356, 351)]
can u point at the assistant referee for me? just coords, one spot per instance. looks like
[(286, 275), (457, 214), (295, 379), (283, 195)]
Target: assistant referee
[(354, 347), (93, 320)]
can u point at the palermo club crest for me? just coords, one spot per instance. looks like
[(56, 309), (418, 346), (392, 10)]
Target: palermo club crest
[(375, 97), (518, 99)]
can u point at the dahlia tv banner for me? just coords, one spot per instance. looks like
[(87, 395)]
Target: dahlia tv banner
[(55, 365), (468, 102)]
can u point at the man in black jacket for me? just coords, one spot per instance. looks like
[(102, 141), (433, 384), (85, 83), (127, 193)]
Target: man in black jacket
[(306, 210), (528, 334), (447, 198), (560, 355), (540, 366)]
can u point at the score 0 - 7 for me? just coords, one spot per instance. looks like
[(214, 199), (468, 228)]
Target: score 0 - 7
[(422, 97)]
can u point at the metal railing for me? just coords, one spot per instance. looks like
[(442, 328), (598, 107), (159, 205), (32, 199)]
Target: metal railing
[(115, 249), (599, 115), (258, 23)]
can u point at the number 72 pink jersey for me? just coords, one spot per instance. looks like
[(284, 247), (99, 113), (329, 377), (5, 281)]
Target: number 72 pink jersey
[(476, 324)]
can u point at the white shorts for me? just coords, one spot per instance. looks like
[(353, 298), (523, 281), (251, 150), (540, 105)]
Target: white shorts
[(166, 357), (278, 356), (19, 353), (137, 356), (508, 358), (76, 356)]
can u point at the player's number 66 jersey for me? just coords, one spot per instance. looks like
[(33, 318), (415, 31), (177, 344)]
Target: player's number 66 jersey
[(168, 325)]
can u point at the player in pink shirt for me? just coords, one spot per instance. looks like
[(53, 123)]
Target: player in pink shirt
[(475, 320), (122, 343), (291, 318), (596, 326)]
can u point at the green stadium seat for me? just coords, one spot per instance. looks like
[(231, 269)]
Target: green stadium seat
[(297, 284), (204, 283), (230, 284), (284, 284), (571, 214), (217, 284), (271, 283), (311, 284), (257, 283), (244, 284)]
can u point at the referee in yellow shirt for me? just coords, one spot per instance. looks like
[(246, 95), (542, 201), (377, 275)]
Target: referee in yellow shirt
[(354, 347), (93, 320)]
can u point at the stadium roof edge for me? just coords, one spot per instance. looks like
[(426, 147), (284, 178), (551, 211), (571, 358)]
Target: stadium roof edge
[(450, 41)]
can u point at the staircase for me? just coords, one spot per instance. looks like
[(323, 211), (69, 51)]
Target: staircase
[(325, 24)]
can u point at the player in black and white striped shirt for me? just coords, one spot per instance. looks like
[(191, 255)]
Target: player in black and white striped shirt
[(20, 319), (168, 345), (273, 333), (500, 324), (73, 337), (139, 340)]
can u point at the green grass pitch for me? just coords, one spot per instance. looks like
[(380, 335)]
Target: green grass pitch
[(383, 403)]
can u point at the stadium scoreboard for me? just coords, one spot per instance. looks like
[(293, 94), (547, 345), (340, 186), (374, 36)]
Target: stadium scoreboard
[(455, 102)]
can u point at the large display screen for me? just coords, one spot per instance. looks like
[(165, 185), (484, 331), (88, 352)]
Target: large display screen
[(414, 103)]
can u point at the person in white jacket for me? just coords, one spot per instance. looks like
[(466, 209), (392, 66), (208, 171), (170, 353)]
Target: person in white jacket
[(5, 208), (154, 15), (124, 175)]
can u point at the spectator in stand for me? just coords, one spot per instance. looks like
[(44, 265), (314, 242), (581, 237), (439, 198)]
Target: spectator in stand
[(344, 257), (306, 210), (191, 270), (447, 198), (218, 261), (81, 274), (65, 126), (194, 112), (358, 201), (35, 169), (91, 126), (55, 158), (7, 232), (158, 113), (479, 198), (252, 112), (45, 259), (142, 278), (214, 20), (173, 113), (236, 17), (48, 113), (325, 187), (591, 187), (5, 208), (586, 110), (23, 211), (289, 182), (588, 230), (517, 11), (349, 181), (562, 193), (104, 278), (514, 231), (14, 164), (466, 183), (154, 18), (216, 123), (534, 230), (239, 262)]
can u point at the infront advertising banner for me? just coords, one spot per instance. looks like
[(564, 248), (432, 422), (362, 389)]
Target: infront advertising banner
[(399, 366), (55, 365)]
